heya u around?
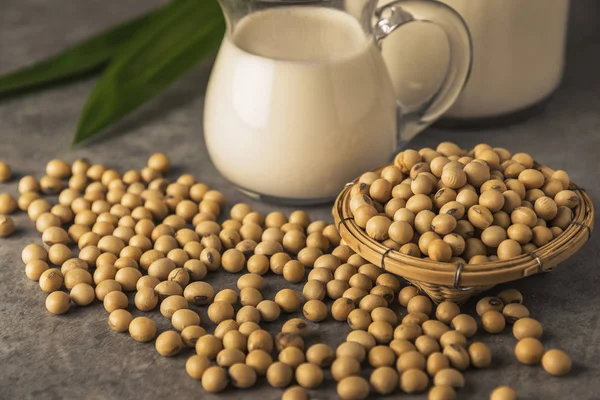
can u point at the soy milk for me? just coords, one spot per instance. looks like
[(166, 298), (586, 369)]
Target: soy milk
[(518, 49), (299, 104), (518, 56)]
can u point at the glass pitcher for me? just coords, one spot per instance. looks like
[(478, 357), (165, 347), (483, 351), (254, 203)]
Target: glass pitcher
[(300, 102)]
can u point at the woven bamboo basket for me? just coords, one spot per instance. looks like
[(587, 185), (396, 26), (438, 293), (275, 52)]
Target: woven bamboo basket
[(445, 281)]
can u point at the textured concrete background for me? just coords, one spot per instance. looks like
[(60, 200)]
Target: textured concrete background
[(77, 356)]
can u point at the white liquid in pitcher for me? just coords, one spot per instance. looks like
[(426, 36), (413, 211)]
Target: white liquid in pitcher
[(299, 103), (518, 50), (518, 56)]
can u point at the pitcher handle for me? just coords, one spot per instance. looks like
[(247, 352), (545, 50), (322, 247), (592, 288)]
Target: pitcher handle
[(395, 14)]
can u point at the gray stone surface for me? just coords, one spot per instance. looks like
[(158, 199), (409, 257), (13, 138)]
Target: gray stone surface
[(76, 356)]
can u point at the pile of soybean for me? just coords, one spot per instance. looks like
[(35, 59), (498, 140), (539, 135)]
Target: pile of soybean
[(112, 234), (469, 206)]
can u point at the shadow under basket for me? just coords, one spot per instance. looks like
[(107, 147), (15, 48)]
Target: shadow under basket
[(458, 282)]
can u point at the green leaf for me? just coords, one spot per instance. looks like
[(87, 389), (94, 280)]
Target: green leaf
[(170, 44), (84, 58)]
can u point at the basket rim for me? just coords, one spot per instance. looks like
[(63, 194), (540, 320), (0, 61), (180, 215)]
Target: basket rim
[(545, 258)]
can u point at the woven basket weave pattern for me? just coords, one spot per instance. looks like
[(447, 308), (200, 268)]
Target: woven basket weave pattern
[(445, 281)]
